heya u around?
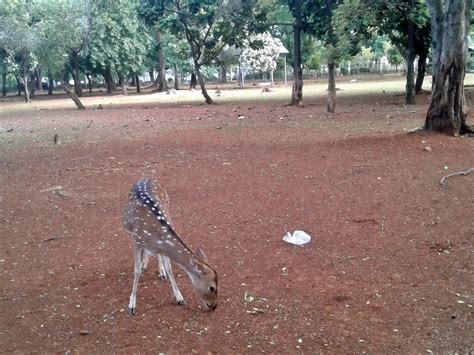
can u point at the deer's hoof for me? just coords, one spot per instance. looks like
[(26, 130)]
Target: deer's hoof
[(181, 303), (132, 311)]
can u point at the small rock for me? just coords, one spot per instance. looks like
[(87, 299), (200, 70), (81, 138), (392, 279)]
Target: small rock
[(84, 332), (428, 148)]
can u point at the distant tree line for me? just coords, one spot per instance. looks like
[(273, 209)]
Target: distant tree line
[(48, 43)]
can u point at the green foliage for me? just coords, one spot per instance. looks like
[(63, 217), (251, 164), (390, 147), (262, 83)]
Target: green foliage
[(64, 26), (391, 19), (118, 39), (394, 57), (176, 52), (314, 54), (19, 35), (211, 25)]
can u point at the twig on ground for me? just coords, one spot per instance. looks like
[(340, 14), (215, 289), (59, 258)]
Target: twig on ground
[(87, 156), (341, 260), (50, 239), (443, 181), (90, 124)]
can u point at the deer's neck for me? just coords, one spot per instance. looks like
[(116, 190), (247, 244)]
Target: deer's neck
[(174, 248)]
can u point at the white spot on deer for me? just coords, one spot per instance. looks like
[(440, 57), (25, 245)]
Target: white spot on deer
[(169, 242)]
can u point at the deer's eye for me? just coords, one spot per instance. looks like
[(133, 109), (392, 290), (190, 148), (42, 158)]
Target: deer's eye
[(212, 289)]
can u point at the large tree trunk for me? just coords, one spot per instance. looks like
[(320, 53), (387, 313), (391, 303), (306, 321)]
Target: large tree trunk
[(223, 73), (297, 91), (161, 78), (37, 76), (410, 58), (4, 81), (176, 77), (18, 85), (437, 17), (447, 111), (202, 84), (123, 82), (331, 103), (137, 83), (193, 83), (72, 95), (109, 80), (76, 75), (24, 80), (420, 76), (50, 83)]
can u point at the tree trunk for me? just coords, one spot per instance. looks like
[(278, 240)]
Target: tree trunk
[(192, 85), (223, 73), (123, 82), (410, 58), (202, 84), (4, 81), (109, 81), (152, 76), (297, 91), (410, 81), (72, 95), (50, 84), (331, 102), (420, 76), (161, 77), (137, 83), (24, 80), (89, 82), (447, 111), (176, 77), (18, 84), (435, 8), (37, 80), (76, 75)]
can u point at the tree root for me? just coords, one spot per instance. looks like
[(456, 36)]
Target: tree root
[(466, 129)]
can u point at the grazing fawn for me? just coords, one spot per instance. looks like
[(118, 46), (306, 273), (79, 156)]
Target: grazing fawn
[(146, 218)]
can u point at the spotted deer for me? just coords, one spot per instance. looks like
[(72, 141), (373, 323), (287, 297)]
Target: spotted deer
[(146, 218)]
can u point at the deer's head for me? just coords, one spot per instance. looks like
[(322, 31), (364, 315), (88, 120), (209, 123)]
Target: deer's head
[(204, 280)]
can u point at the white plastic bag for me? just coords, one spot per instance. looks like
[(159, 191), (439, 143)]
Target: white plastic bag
[(297, 238)]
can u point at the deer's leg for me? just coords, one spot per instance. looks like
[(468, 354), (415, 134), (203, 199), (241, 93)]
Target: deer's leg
[(145, 258), (161, 267), (174, 286), (137, 251)]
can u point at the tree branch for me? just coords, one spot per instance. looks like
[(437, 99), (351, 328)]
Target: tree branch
[(443, 181)]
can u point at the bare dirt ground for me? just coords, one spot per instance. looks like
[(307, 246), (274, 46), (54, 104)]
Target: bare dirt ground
[(389, 269)]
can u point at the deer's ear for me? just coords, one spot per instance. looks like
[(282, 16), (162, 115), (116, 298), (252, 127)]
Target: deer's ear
[(201, 255), (196, 264)]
